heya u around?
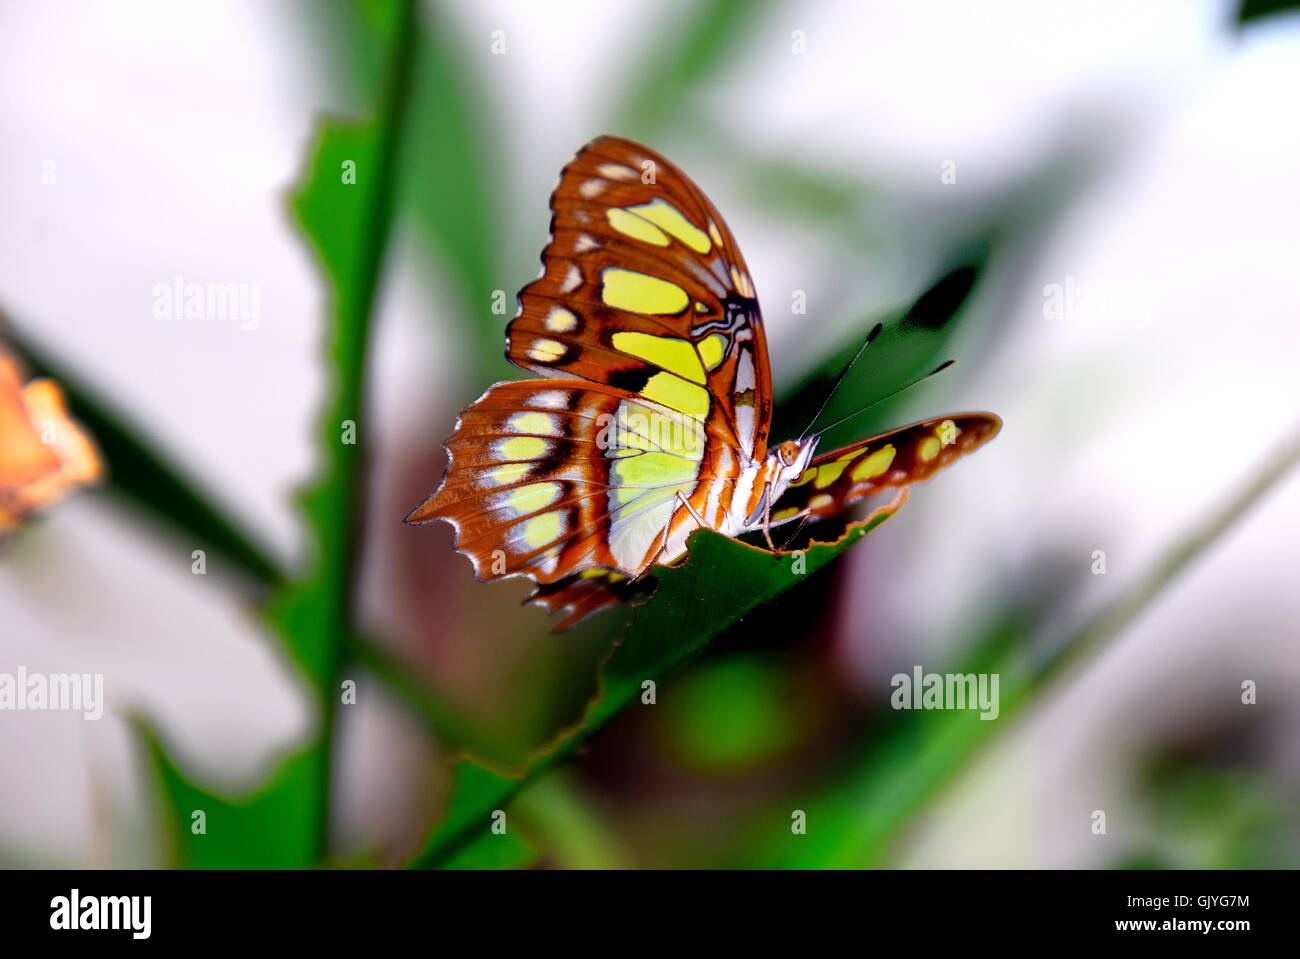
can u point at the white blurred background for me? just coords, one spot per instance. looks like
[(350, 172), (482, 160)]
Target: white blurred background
[(1160, 386)]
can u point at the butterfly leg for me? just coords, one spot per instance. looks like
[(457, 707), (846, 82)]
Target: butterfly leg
[(690, 509), (802, 514), (663, 536), (663, 545), (767, 520)]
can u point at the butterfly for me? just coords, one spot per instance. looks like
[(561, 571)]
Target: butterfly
[(651, 420)]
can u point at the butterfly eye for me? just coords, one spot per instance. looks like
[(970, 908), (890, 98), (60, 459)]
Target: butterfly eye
[(789, 452)]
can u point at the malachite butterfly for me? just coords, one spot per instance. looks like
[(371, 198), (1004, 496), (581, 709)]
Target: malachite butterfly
[(651, 420)]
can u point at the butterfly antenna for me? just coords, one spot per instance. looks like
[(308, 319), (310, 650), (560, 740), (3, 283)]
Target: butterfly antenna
[(875, 331), (906, 386)]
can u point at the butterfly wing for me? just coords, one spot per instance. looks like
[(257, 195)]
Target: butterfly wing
[(643, 288), (581, 594), (547, 478), (833, 481), (646, 308)]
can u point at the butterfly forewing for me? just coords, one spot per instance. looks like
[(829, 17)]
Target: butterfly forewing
[(643, 287), (835, 480)]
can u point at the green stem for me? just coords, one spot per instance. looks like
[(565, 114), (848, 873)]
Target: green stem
[(343, 557)]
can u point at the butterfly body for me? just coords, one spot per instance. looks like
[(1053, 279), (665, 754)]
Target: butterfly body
[(652, 419)]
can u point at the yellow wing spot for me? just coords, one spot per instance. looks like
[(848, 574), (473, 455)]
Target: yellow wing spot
[(640, 292), (808, 476), (929, 449), (820, 502), (616, 577), (711, 350), (634, 428), (509, 473), (714, 234), (629, 224), (539, 424), (594, 573), (677, 356), (638, 427), (666, 216), (701, 307), (675, 393), (874, 465), (947, 432), (617, 171), (540, 530), (828, 473), (560, 320), (530, 499), (785, 513), (631, 479), (522, 448), (546, 351)]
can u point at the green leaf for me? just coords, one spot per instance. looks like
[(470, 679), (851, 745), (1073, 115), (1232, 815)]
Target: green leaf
[(144, 476), (723, 581), (344, 206), (264, 830)]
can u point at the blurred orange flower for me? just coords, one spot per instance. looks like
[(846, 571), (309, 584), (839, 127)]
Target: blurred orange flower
[(43, 453)]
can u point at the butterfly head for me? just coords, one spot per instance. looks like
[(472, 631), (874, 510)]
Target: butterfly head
[(787, 461), (782, 466)]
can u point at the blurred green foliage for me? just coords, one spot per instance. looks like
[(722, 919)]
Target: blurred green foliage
[(689, 54), (1211, 817), (729, 715), (1252, 10)]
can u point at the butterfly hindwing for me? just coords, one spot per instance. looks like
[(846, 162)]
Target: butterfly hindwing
[(644, 288), (833, 481), (550, 477), (581, 594)]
